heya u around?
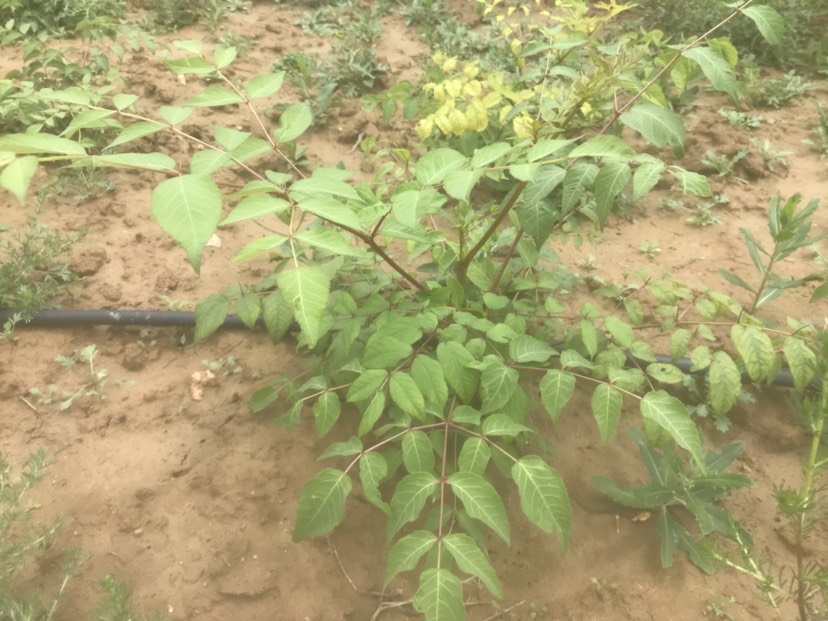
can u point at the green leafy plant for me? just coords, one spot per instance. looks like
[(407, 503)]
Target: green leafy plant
[(776, 92), (741, 120), (57, 17), (770, 156), (116, 604), (650, 248), (426, 296), (820, 131), (722, 164)]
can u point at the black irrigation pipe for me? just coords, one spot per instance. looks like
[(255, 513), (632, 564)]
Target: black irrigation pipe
[(186, 319)]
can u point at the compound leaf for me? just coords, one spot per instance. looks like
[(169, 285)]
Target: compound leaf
[(322, 504), (543, 497)]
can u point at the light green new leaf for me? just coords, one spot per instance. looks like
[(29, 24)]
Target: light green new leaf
[(306, 289), (724, 383), (716, 69), (384, 352), (406, 395), (174, 115), (248, 308), (756, 350), (488, 154), (224, 56), (322, 504), (556, 390), (214, 96), (147, 161), (497, 385), (679, 342), (609, 183), (348, 448), (470, 559), (671, 415), (264, 84), (620, 331), (578, 178), (433, 167), (255, 206), (409, 499), (90, 119), (543, 497), (193, 64), (366, 385), (277, 315), (326, 412), (417, 452), (428, 374), (135, 131), (293, 122), (229, 138), (606, 408), (31, 144), (660, 126), (604, 146), (481, 501), (332, 210), (525, 348), (407, 552), (188, 208), (544, 148), (802, 361), (209, 315), (459, 183), (440, 596), (645, 178), (329, 240), (259, 246), (691, 182), (502, 425), (454, 358), (665, 373), (409, 206), (16, 176), (323, 187), (474, 456), (372, 472), (545, 181), (768, 21)]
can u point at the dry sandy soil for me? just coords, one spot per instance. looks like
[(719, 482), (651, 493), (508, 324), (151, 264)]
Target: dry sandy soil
[(193, 501)]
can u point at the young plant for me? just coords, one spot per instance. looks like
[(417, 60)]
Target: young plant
[(93, 385), (771, 157), (820, 131), (724, 165), (741, 120)]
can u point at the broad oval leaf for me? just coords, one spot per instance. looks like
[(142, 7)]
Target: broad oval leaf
[(433, 167), (802, 361), (525, 348), (366, 385), (256, 206), (497, 385), (604, 146), (210, 314), (768, 21), (215, 96), (188, 208), (326, 412), (264, 84), (716, 69), (16, 176), (428, 374), (31, 144), (543, 497), (724, 383), (454, 358), (293, 122), (322, 504)]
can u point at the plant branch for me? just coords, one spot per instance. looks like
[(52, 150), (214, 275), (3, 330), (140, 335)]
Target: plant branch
[(509, 254)]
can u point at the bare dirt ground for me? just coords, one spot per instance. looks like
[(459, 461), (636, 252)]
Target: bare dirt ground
[(193, 501)]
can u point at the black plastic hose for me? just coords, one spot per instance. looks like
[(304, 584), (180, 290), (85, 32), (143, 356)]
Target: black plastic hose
[(186, 319)]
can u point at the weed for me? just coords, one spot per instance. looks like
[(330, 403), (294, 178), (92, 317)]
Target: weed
[(724, 165), (776, 92), (226, 365), (820, 131), (58, 17), (650, 248), (117, 605), (741, 120), (771, 158), (718, 606)]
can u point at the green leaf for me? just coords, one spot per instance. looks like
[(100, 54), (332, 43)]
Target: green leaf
[(459, 183), (306, 289), (768, 21), (433, 167), (248, 309), (606, 408), (254, 207), (604, 146), (735, 280), (525, 348), (440, 596), (372, 413), (660, 126), (293, 122), (329, 240), (665, 373), (410, 205), (645, 178), (351, 446), (620, 331), (262, 398), (545, 181), (802, 361), (670, 414), (31, 144), (543, 497), (756, 350), (135, 131), (417, 452), (481, 501), (264, 84), (679, 342), (209, 315), (277, 315), (488, 154), (322, 504), (609, 182), (214, 96), (538, 218), (174, 115), (406, 395), (17, 175), (407, 552), (474, 456), (650, 496), (470, 559), (497, 385), (259, 246), (692, 183), (409, 499), (366, 385), (667, 531), (454, 358), (90, 119), (224, 56), (326, 412), (323, 187), (556, 390), (384, 352), (545, 148), (332, 210), (147, 161), (428, 375), (372, 471), (502, 425), (193, 64), (716, 69), (578, 178), (724, 383), (188, 208)]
